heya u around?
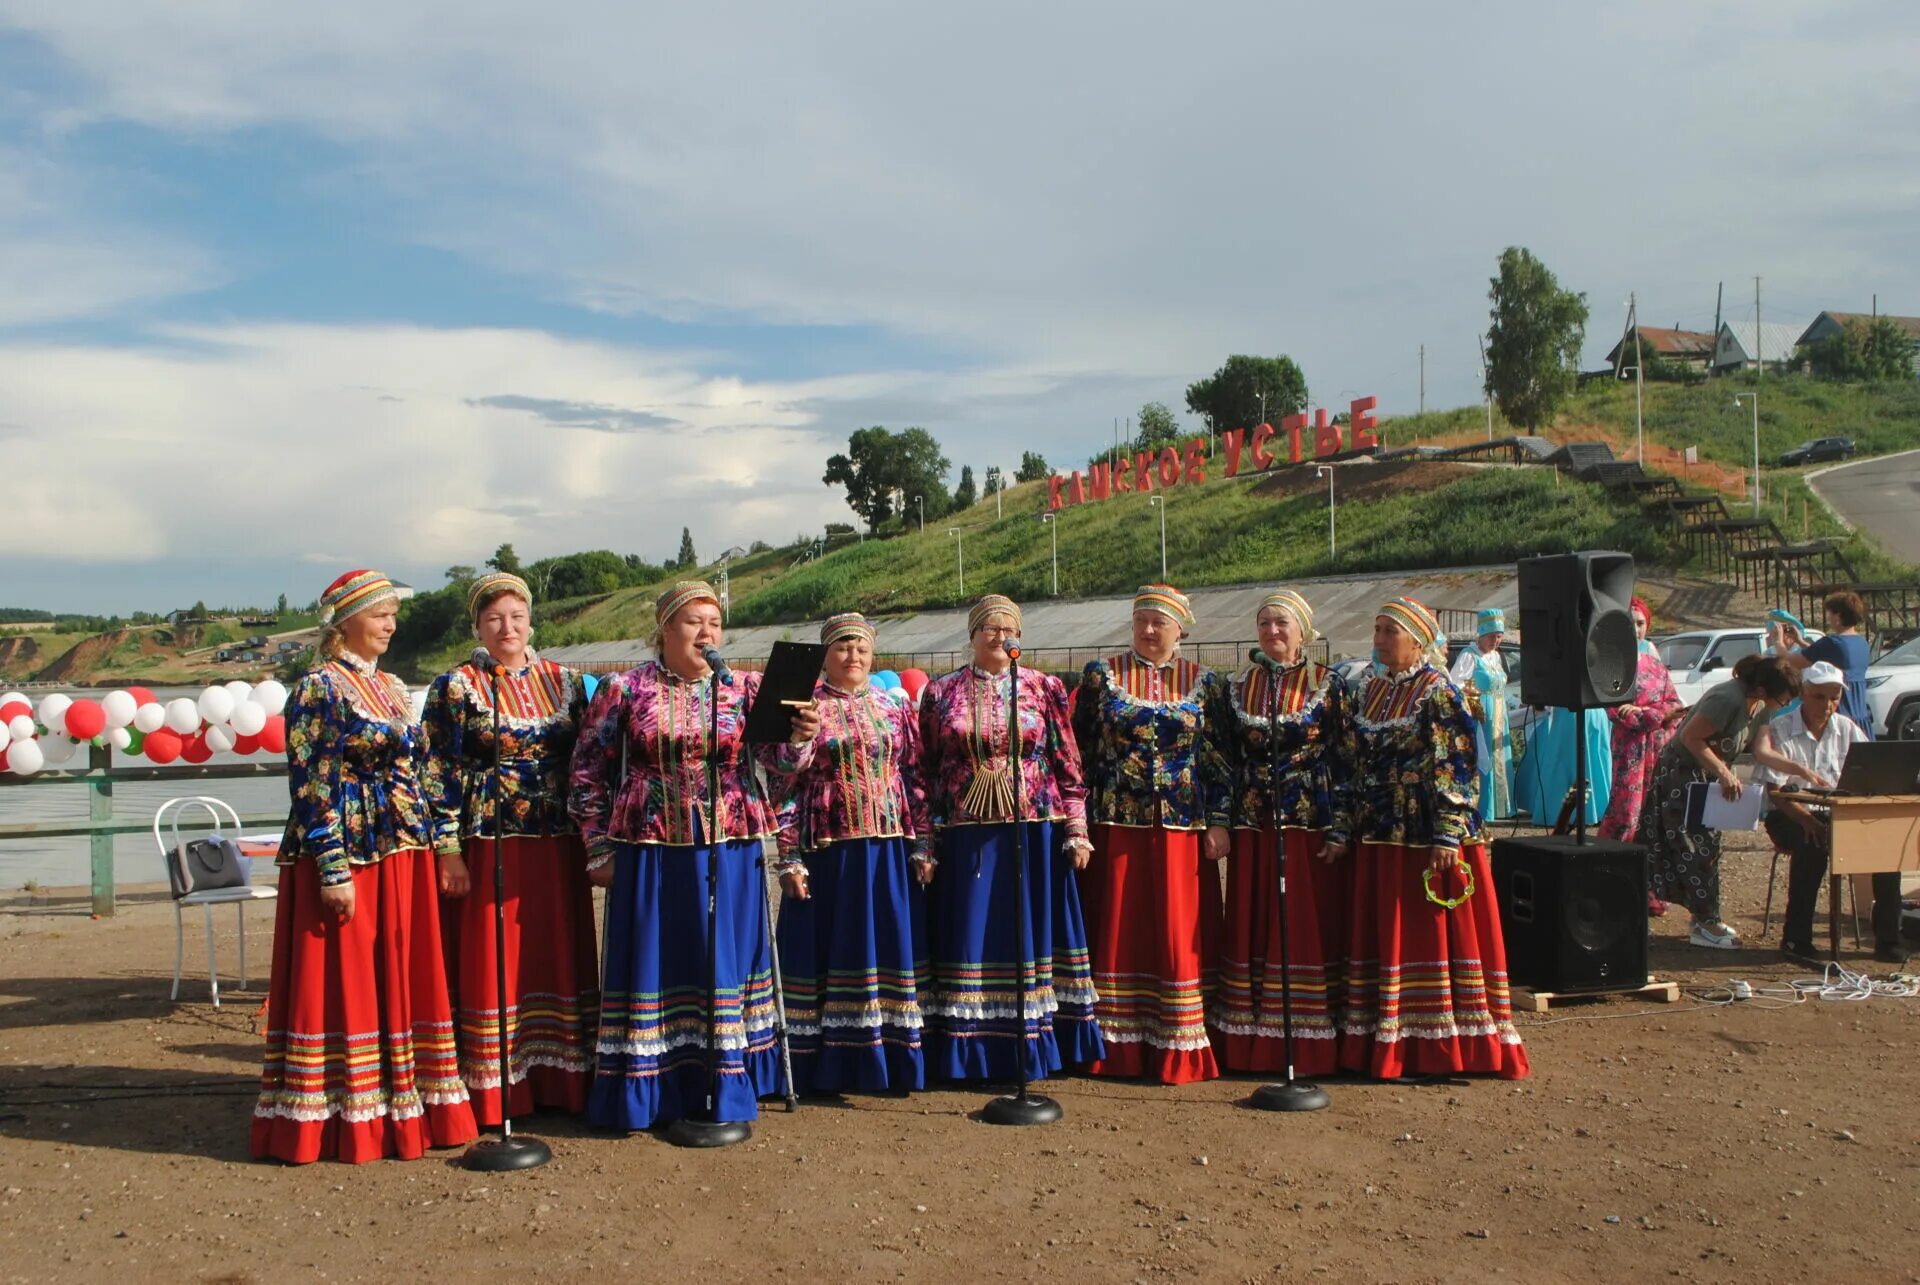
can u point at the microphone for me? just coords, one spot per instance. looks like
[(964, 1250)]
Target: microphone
[(717, 663), (483, 660), (1011, 647)]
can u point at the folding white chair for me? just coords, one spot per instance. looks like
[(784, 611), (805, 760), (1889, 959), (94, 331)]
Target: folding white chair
[(217, 812)]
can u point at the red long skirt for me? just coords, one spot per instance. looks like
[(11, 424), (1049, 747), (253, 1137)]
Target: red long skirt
[(1153, 917), (1248, 1031), (360, 1052), (553, 973), (1426, 987)]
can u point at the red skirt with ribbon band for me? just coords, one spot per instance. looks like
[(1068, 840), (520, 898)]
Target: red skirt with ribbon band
[(553, 973), (1153, 924), (360, 1052), (1426, 986), (1246, 1015)]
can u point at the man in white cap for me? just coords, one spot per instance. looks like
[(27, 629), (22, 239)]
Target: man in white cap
[(1817, 735)]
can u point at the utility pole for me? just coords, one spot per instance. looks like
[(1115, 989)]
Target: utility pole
[(1759, 344), (1423, 379), (1486, 391), (1719, 294), (1639, 424)]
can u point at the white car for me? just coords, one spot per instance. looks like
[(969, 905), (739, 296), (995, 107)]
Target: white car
[(1893, 692), (1705, 657)]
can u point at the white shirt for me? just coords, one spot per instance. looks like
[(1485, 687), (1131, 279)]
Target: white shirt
[(1824, 755)]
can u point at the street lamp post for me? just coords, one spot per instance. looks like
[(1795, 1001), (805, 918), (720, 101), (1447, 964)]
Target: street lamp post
[(1161, 502), (1054, 532), (999, 485), (1754, 399), (959, 558), (921, 500), (1333, 545)]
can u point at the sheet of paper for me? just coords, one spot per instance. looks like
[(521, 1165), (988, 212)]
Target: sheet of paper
[(1708, 808)]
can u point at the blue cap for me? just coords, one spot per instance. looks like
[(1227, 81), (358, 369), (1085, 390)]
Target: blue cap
[(1492, 621)]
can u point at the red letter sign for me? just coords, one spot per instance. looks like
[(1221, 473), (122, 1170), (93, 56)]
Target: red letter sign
[(1360, 415)]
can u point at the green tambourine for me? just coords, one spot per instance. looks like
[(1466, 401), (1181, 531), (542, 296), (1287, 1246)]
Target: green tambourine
[(1442, 902)]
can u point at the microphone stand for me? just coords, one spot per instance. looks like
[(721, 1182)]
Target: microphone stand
[(1022, 1107), (712, 1131), (1290, 1094), (506, 1152)]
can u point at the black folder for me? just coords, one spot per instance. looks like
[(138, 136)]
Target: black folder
[(792, 670)]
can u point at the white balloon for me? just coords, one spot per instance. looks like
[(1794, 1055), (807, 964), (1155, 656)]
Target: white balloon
[(10, 697), (270, 696), (53, 709), (22, 727), (120, 708), (25, 758), (238, 688), (150, 717), (183, 716), (57, 749), (215, 705), (219, 740), (6, 736), (248, 718), (119, 737)]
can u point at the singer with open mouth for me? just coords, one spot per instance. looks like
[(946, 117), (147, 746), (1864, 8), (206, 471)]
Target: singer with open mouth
[(1153, 732), (639, 795), (1288, 713), (500, 771), (855, 846), (970, 756)]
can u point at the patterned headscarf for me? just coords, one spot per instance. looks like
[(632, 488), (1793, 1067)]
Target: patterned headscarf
[(993, 604), (353, 593), (1413, 616), (679, 596), (1491, 620), (848, 624), (1294, 605), (492, 585), (1166, 600)]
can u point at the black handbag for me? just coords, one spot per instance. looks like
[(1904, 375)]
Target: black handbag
[(201, 865)]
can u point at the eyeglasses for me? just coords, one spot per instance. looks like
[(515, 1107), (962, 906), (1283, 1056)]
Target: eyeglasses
[(1000, 631)]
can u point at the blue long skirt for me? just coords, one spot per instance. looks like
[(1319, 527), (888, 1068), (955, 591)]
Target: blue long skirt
[(650, 1064), (1546, 770), (975, 1026), (854, 958)]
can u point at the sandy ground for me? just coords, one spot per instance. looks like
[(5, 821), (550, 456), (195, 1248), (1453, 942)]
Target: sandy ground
[(1762, 1141)]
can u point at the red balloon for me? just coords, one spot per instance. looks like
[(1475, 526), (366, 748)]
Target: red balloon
[(273, 737), (14, 709), (141, 696), (245, 744), (85, 720), (3, 757), (195, 750), (163, 745), (914, 680)]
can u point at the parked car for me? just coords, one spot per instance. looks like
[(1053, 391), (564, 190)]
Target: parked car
[(1699, 659), (1893, 692), (1820, 448)]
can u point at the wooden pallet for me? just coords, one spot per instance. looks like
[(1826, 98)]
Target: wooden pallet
[(1530, 1001)]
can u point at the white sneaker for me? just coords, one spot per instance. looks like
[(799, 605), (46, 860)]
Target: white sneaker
[(1715, 935)]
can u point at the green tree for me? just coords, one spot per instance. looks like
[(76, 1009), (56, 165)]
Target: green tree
[(687, 558), (460, 574), (1033, 468), (1865, 348), (1231, 396), (1158, 428), (280, 608), (200, 609), (505, 559), (966, 495), (883, 471), (1533, 346)]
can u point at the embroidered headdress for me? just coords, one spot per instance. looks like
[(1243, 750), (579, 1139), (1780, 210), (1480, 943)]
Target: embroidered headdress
[(848, 624), (1491, 620), (1166, 600), (992, 604), (1413, 617), (494, 584), (354, 593), (679, 596), (1294, 605)]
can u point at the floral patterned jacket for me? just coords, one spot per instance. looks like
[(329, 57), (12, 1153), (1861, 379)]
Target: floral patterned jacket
[(1155, 741), (639, 771), (541, 705), (862, 778), (1311, 704), (1409, 765), (963, 751), (355, 762)]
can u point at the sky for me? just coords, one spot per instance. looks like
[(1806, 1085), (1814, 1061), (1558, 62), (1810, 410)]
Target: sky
[(286, 290)]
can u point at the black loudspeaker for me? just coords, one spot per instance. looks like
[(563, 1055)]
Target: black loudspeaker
[(1577, 647), (1574, 915)]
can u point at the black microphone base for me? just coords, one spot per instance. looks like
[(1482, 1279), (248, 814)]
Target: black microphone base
[(500, 1155), (1021, 1108), (707, 1133), (1289, 1095)]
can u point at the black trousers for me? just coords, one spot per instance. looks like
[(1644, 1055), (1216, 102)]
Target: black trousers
[(1807, 866)]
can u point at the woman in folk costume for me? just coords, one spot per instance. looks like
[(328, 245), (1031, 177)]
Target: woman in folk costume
[(1303, 705), (979, 951), (1154, 734), (360, 1060), (1481, 675), (1641, 729), (552, 968), (855, 843), (1427, 968), (639, 795)]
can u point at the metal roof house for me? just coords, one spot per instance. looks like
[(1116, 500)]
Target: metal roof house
[(1683, 347), (1740, 345), (1828, 324)]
